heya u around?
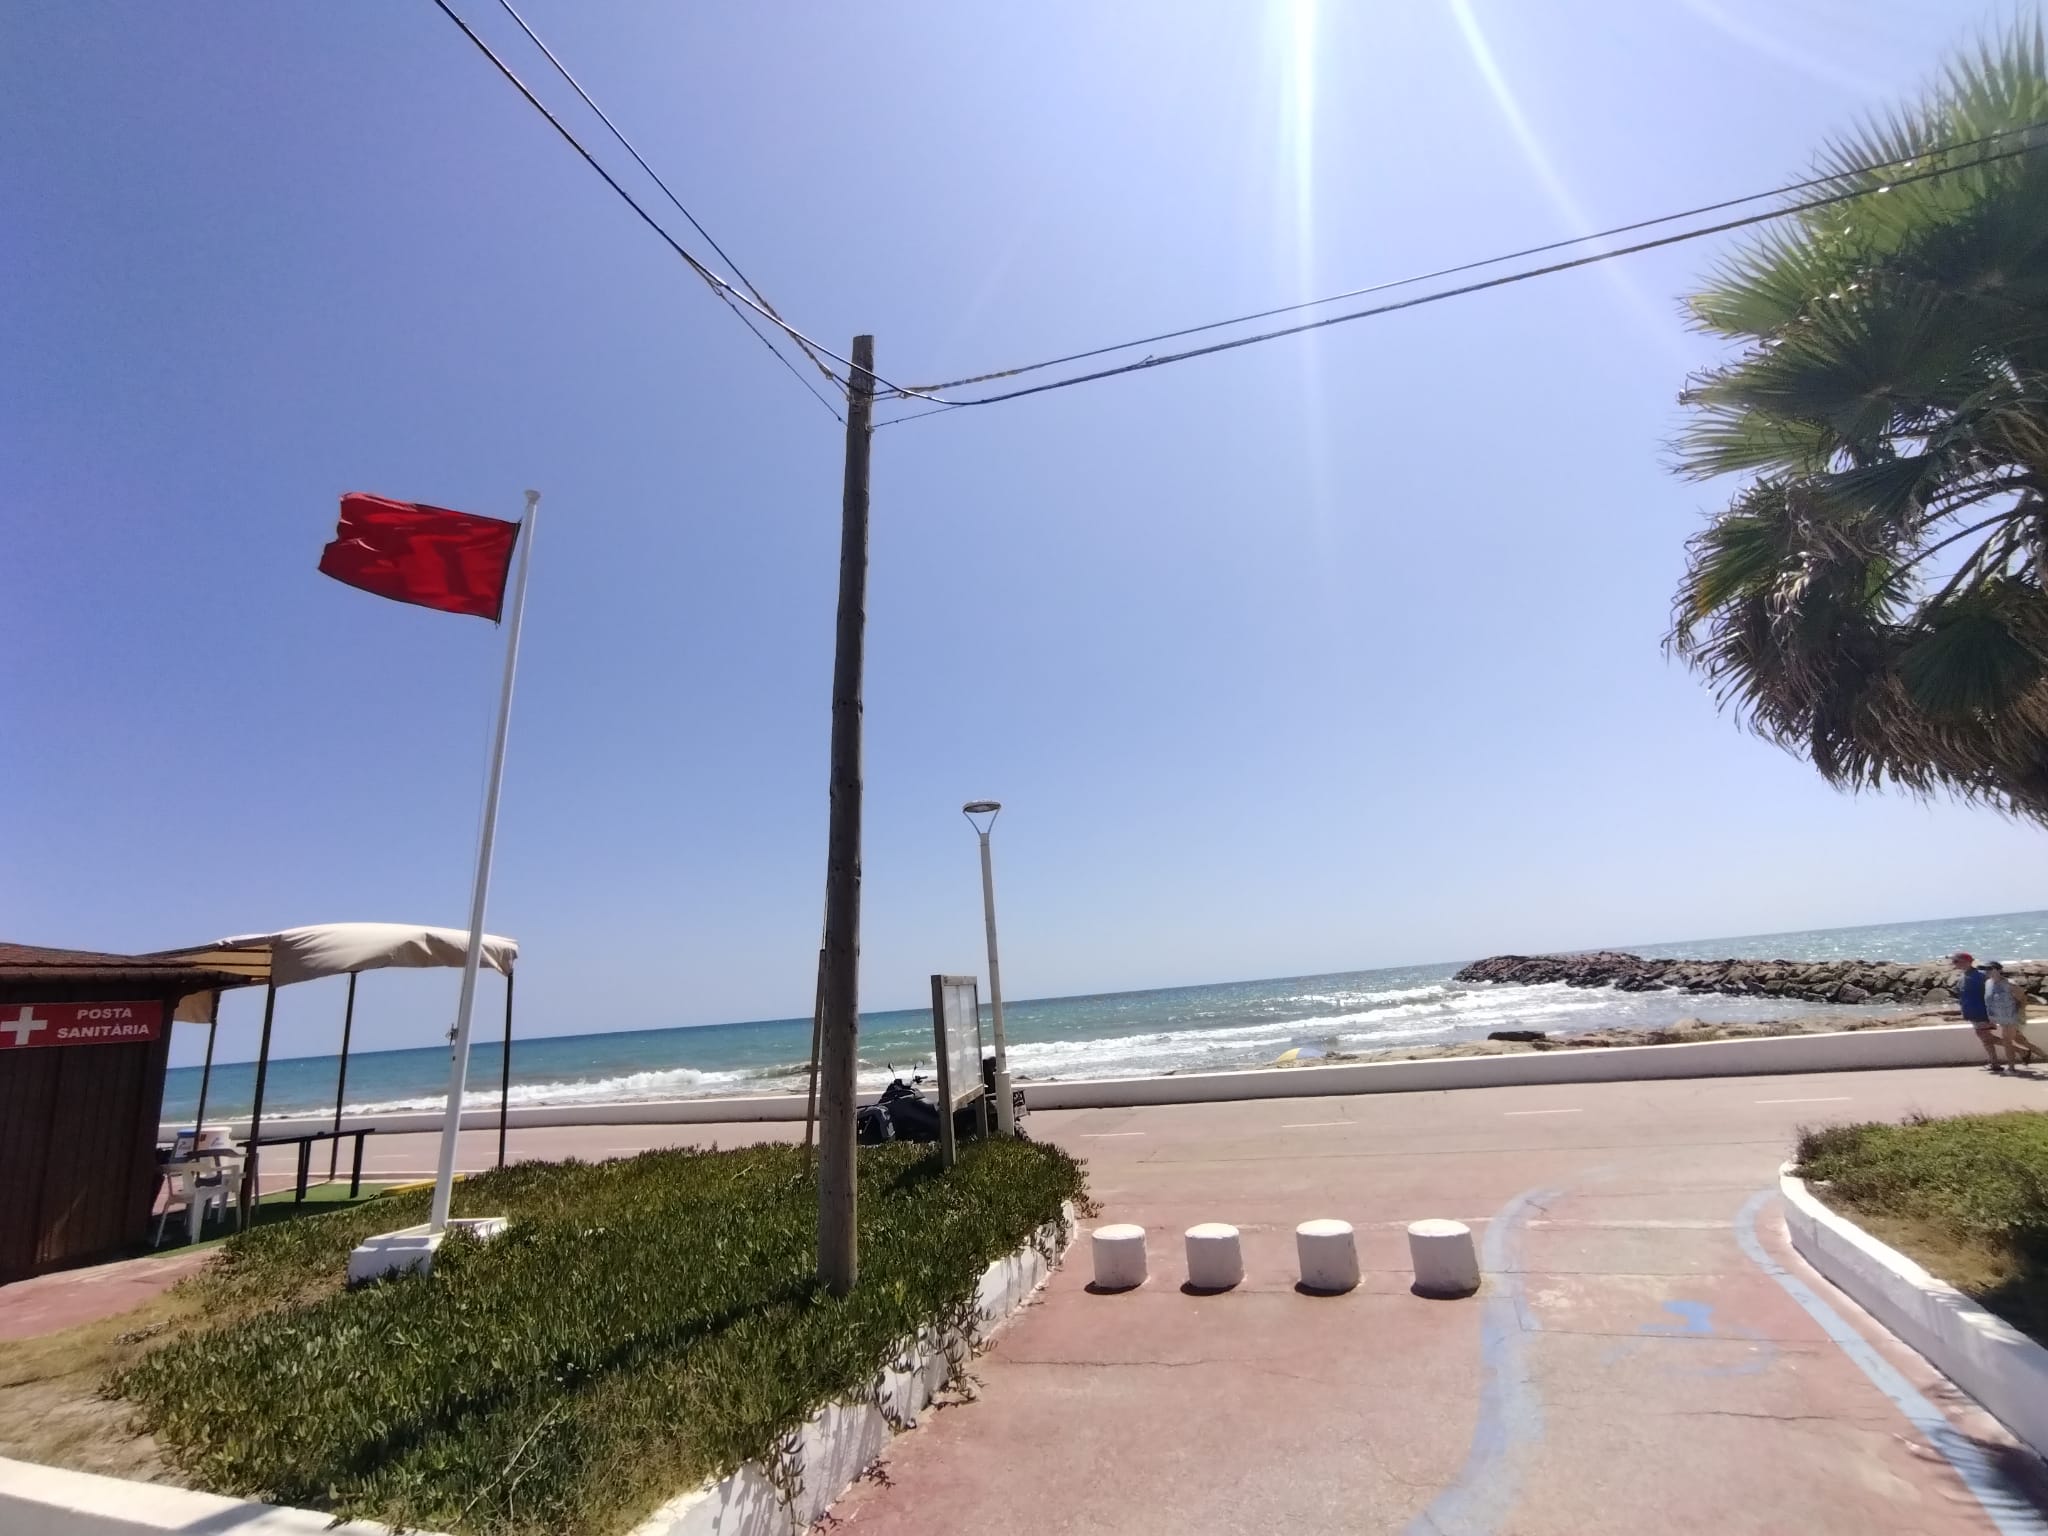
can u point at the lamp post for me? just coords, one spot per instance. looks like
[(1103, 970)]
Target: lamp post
[(1005, 1123)]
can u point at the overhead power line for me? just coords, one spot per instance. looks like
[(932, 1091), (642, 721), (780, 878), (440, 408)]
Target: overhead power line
[(1488, 261), (654, 175), (940, 405), (717, 282)]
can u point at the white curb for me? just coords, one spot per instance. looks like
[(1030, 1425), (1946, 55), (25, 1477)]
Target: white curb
[(52, 1501), (1995, 1363), (816, 1462)]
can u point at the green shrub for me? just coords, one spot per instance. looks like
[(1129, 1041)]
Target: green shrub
[(1983, 1176), (643, 1324), (1967, 1196)]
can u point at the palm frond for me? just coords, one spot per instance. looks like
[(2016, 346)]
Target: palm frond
[(1725, 439), (1872, 597), (1969, 659)]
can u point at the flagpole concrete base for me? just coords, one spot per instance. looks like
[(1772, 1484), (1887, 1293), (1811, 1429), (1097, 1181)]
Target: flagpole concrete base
[(393, 1253)]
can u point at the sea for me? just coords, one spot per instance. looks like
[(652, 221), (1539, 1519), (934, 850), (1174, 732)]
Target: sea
[(1209, 1028)]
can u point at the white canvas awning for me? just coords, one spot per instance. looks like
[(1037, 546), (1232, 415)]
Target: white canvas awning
[(331, 949), (338, 949)]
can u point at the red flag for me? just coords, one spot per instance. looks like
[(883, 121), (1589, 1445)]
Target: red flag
[(454, 561)]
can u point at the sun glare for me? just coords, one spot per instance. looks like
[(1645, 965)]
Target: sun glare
[(1660, 325), (1295, 46), (1760, 39)]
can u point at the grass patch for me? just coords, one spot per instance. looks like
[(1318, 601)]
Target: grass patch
[(644, 1324), (1966, 1197)]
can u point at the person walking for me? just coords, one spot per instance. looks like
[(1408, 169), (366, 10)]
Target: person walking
[(2007, 1007), (1971, 995), (2020, 1001)]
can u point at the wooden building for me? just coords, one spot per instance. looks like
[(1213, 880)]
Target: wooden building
[(84, 1042)]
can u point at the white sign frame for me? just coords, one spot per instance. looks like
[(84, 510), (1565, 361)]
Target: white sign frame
[(956, 1026)]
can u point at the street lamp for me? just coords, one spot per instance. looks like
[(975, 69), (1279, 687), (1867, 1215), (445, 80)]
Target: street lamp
[(1005, 1122)]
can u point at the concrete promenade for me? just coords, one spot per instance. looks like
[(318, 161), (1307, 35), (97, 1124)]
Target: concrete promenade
[(1633, 1365)]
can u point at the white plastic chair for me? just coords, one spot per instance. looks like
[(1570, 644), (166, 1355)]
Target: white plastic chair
[(197, 1181)]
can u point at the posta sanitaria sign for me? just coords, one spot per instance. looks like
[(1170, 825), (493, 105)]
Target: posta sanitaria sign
[(24, 1026)]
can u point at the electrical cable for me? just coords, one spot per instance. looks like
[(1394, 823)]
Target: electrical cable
[(1489, 261), (936, 410), (755, 301), (640, 160), (1466, 288), (717, 282)]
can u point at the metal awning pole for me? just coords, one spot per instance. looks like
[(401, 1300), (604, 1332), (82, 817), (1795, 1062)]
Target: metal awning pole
[(348, 1022), (505, 1069), (206, 1073), (252, 1190)]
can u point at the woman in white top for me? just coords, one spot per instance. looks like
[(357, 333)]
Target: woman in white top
[(2007, 1006)]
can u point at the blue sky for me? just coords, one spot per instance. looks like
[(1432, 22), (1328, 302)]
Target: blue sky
[(1333, 653)]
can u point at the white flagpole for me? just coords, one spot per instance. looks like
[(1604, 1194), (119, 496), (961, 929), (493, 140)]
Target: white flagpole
[(451, 1125)]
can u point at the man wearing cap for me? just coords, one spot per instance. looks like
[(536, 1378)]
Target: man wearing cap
[(1975, 1014), (2008, 1009)]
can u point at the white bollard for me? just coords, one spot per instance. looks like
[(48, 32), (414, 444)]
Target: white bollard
[(1446, 1263), (1215, 1262), (1119, 1257), (1328, 1254)]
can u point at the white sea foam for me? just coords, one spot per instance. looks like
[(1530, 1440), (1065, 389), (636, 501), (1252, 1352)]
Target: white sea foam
[(671, 1083)]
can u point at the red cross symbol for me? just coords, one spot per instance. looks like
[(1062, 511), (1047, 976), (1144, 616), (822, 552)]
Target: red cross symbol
[(24, 1024)]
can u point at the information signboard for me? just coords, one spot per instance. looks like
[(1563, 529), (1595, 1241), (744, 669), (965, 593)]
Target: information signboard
[(956, 1036)]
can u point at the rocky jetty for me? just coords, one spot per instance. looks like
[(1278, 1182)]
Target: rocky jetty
[(1931, 985)]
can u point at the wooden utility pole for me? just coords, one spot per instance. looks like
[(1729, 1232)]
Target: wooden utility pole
[(839, 1011)]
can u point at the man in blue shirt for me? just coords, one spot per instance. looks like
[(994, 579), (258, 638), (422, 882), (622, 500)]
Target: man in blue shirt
[(1975, 1014)]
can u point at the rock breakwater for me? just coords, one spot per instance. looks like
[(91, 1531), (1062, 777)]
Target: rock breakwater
[(1876, 982)]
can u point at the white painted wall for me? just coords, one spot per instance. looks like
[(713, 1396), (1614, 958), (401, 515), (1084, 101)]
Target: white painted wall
[(1987, 1357)]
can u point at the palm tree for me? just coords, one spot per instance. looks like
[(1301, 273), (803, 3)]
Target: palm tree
[(1873, 596)]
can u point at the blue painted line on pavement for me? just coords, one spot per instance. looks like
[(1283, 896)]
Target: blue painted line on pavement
[(1510, 1408), (1695, 1320), (2010, 1510), (1696, 1325)]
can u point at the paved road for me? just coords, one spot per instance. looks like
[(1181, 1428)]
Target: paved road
[(1632, 1368)]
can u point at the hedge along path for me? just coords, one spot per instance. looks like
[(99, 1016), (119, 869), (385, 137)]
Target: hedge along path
[(1966, 1196), (643, 1325)]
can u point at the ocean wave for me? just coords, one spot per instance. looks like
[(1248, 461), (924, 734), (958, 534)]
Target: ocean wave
[(1291, 1005), (1033, 1052), (669, 1083), (1390, 995), (1406, 1013)]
